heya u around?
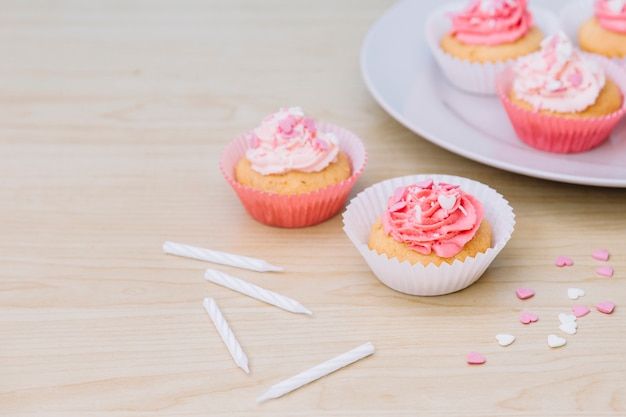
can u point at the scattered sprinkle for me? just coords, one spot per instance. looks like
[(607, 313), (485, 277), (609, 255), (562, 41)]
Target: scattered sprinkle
[(600, 255), (605, 271), (475, 358), (575, 293), (505, 339), (605, 307), (555, 341), (568, 323), (526, 318), (524, 293), (580, 311), (564, 261)]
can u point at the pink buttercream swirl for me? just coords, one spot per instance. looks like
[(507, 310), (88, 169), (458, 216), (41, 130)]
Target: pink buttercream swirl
[(432, 217), (492, 22), (611, 14), (288, 141), (558, 78)]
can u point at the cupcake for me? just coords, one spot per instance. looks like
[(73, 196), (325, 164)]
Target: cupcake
[(429, 234), (473, 42), (292, 171), (599, 26), (562, 100)]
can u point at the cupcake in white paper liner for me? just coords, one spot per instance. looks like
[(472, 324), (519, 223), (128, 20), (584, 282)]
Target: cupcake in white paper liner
[(471, 76), (574, 14), (302, 209), (430, 280)]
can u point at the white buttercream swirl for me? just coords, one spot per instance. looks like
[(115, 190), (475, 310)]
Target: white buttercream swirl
[(288, 141), (558, 78)]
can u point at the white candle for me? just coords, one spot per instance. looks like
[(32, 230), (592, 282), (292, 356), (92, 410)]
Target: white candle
[(218, 257), (255, 291), (226, 334), (317, 372)]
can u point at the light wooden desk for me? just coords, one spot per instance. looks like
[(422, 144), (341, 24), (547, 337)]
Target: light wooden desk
[(112, 118)]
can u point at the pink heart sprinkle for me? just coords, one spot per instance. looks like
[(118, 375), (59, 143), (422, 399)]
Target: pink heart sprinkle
[(524, 293), (526, 317), (605, 271), (605, 307), (475, 358), (564, 261), (580, 311), (600, 255), (425, 185)]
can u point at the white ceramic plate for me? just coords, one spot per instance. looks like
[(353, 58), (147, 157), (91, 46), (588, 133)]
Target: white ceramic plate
[(401, 74)]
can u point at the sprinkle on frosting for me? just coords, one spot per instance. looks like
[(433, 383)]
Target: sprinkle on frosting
[(289, 141), (558, 78), (611, 14), (492, 22), (432, 217)]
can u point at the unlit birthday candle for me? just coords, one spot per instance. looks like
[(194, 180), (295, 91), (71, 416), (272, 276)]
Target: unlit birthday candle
[(317, 372), (255, 291), (218, 257), (226, 334)]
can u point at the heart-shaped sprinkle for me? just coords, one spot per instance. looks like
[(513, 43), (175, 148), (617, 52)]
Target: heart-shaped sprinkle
[(525, 317), (569, 328), (418, 213), (426, 184), (567, 318), (605, 307), (580, 311), (605, 271), (475, 358), (600, 255), (575, 293), (505, 339), (446, 201), (555, 341), (524, 293), (564, 261)]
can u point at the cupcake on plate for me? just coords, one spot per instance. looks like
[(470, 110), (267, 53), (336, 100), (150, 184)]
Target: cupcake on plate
[(429, 234), (292, 171), (472, 42), (562, 100), (599, 26)]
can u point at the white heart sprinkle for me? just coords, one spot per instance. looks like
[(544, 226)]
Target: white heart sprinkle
[(446, 201), (418, 213), (555, 341), (575, 293), (567, 318), (569, 328), (505, 339)]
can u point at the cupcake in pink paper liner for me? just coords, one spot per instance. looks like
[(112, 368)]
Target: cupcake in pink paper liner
[(473, 42), (562, 100), (429, 234), (597, 26), (292, 171)]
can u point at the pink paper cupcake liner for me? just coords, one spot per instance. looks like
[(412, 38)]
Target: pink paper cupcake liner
[(299, 210), (571, 17), (431, 280), (473, 77), (559, 134)]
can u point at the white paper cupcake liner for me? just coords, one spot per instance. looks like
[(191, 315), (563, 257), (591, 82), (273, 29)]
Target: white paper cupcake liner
[(474, 77), (368, 206), (572, 15)]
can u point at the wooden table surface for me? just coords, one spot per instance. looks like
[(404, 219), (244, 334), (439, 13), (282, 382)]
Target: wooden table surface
[(112, 118)]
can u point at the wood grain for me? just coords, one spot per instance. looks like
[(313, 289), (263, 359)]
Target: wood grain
[(112, 119)]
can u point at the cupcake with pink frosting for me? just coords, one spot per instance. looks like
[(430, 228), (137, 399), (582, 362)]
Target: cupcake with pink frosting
[(599, 26), (561, 99), (429, 234), (292, 171), (472, 42)]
